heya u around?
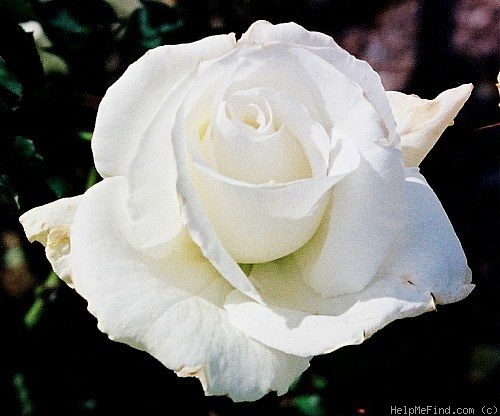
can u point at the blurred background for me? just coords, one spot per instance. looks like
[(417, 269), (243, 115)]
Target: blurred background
[(58, 57)]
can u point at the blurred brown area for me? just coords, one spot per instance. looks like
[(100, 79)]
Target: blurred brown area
[(15, 277), (390, 44)]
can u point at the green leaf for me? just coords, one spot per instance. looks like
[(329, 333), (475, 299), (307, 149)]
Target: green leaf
[(9, 81), (93, 178), (156, 21), (319, 382), (8, 197), (66, 22), (310, 405), (26, 149), (85, 135), (60, 186), (23, 395), (34, 313)]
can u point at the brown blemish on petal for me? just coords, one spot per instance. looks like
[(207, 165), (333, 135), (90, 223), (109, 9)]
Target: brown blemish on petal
[(58, 247), (58, 236), (407, 279), (198, 372)]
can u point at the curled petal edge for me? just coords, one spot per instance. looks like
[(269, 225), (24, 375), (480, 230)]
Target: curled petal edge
[(421, 122)]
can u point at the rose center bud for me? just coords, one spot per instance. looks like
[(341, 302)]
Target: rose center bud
[(261, 174), (250, 144)]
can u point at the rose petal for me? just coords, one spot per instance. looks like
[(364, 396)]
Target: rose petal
[(431, 255), (356, 318), (168, 306), (421, 122), (197, 223), (368, 208), (131, 103), (263, 31), (498, 85), (259, 223), (366, 215), (49, 224), (153, 204), (38, 221), (58, 251)]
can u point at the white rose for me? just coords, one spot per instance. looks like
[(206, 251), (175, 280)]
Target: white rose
[(258, 208)]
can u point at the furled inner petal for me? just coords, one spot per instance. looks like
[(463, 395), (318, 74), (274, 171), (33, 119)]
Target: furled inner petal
[(249, 110), (261, 223), (295, 124), (251, 144)]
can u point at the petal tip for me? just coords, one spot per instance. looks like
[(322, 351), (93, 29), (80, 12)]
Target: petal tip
[(197, 372)]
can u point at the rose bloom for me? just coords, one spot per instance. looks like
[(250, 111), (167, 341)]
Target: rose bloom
[(261, 204)]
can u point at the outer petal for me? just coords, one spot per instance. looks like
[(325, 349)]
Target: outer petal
[(421, 122), (262, 31), (355, 318), (131, 103), (432, 256), (168, 306), (153, 203), (49, 224)]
